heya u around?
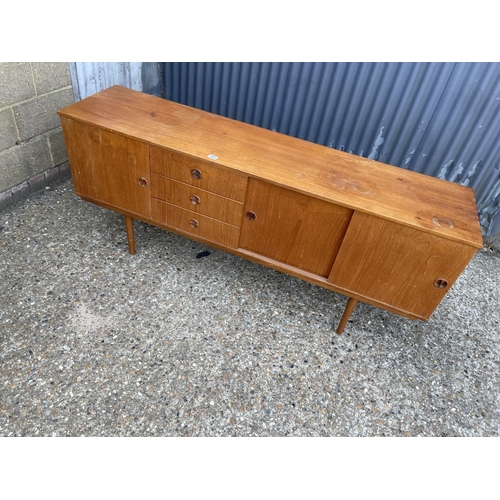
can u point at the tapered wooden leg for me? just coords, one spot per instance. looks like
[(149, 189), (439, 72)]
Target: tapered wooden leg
[(129, 223), (351, 304)]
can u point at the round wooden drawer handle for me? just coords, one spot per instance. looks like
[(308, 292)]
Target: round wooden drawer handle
[(195, 200), (250, 216), (441, 283), (193, 223), (143, 181), (195, 174)]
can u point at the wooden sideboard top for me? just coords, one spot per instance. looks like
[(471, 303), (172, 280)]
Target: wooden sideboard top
[(393, 193)]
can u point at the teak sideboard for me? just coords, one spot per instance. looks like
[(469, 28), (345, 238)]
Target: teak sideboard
[(380, 234)]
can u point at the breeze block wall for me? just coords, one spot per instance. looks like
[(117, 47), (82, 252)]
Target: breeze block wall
[(32, 150)]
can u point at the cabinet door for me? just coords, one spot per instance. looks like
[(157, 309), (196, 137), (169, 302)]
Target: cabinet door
[(292, 228), (397, 265), (109, 168)]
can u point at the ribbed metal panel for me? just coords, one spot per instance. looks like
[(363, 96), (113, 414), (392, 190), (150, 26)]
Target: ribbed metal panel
[(355, 107), (462, 144), (440, 119)]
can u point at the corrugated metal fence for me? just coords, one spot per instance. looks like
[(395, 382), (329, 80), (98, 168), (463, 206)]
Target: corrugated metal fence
[(441, 119)]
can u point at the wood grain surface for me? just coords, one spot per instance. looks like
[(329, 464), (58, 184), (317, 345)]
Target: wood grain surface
[(208, 177), (206, 228), (397, 265), (109, 167), (197, 200), (392, 193), (293, 228)]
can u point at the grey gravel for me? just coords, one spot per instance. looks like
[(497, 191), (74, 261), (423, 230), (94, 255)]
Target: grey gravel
[(96, 342)]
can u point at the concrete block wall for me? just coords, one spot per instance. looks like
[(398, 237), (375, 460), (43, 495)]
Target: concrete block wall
[(32, 150)]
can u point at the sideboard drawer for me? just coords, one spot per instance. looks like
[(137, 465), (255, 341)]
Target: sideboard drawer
[(199, 173), (195, 224), (196, 200)]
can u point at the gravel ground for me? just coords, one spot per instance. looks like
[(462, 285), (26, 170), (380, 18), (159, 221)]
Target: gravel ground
[(96, 342)]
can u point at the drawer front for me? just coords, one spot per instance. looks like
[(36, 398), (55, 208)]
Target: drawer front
[(196, 200), (196, 224), (199, 173)]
